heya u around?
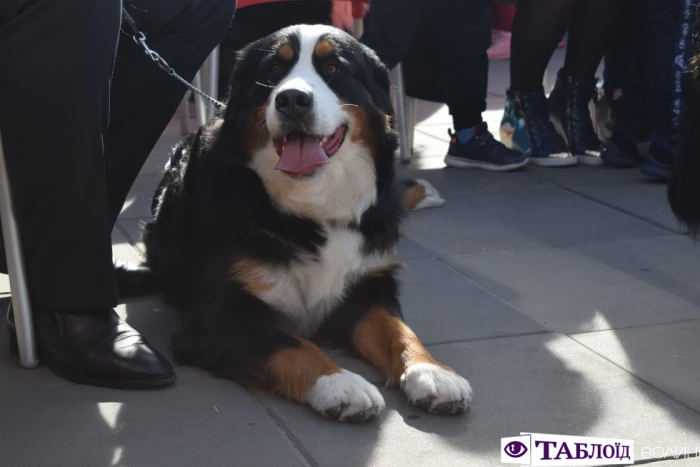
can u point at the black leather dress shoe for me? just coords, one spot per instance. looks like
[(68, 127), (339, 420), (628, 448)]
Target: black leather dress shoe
[(98, 349), (134, 279)]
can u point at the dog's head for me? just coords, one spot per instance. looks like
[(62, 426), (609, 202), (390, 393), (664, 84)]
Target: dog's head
[(310, 110)]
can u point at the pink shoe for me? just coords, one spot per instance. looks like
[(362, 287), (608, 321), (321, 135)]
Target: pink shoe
[(561, 44), (500, 45)]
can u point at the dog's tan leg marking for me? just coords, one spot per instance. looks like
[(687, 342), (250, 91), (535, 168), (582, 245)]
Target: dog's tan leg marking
[(390, 345), (305, 374)]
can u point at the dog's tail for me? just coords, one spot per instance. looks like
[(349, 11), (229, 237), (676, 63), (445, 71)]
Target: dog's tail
[(419, 194), (684, 184)]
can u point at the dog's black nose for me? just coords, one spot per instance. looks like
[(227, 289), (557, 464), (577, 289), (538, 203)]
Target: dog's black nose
[(294, 102)]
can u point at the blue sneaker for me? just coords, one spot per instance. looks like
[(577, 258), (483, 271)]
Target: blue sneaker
[(480, 150), (526, 127)]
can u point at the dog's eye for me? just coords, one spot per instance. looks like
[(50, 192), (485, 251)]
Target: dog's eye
[(332, 69), (275, 69)]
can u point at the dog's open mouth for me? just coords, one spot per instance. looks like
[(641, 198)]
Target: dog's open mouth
[(301, 154)]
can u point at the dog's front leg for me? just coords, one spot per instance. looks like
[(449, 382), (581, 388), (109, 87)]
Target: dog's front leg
[(305, 374), (236, 335), (381, 337), (384, 340)]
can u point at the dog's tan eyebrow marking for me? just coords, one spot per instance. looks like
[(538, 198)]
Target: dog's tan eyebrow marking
[(326, 48), (285, 52)]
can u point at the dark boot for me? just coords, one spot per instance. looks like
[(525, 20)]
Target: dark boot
[(570, 114), (526, 127), (96, 349)]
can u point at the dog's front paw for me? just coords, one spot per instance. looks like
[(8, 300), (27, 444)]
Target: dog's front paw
[(436, 389), (345, 396)]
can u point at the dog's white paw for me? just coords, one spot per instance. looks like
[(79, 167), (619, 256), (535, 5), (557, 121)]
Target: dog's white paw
[(345, 396), (435, 389)]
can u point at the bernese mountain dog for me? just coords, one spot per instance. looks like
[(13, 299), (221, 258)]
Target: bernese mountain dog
[(276, 225)]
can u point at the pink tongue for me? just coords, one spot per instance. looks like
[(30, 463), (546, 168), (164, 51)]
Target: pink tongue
[(301, 156)]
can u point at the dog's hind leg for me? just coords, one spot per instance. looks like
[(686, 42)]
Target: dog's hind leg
[(419, 194)]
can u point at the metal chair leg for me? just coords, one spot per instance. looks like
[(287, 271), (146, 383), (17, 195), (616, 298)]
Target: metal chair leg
[(184, 111), (404, 149), (28, 356), (199, 106), (213, 78), (411, 104)]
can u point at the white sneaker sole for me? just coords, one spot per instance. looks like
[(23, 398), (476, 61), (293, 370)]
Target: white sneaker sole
[(452, 161), (554, 161)]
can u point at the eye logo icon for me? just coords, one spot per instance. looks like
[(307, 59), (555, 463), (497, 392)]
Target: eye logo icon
[(515, 449)]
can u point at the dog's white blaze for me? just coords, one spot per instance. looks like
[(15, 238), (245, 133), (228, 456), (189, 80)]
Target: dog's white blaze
[(309, 289), (344, 188), (329, 115), (337, 193)]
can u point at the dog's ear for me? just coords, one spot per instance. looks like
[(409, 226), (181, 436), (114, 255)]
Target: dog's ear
[(238, 88), (379, 85)]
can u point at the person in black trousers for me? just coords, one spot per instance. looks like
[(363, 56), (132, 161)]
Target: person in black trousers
[(642, 81), (442, 47), (81, 107)]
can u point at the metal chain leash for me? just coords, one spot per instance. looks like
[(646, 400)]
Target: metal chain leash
[(140, 39)]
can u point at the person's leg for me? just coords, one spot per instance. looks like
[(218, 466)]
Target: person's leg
[(502, 15), (670, 45), (54, 90), (55, 111), (537, 28), (592, 27), (622, 113), (463, 32), (183, 32), (390, 26), (591, 32)]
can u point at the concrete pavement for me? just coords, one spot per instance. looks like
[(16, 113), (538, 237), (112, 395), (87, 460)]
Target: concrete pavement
[(567, 297)]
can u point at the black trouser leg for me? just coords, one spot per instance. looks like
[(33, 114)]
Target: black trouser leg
[(462, 59), (72, 160), (57, 59), (447, 37), (670, 34), (144, 97), (390, 26)]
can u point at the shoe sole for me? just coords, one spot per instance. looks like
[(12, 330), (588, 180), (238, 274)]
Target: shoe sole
[(589, 160), (554, 162), (456, 162), (146, 384)]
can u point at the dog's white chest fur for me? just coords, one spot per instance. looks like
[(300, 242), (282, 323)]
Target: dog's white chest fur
[(309, 289)]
